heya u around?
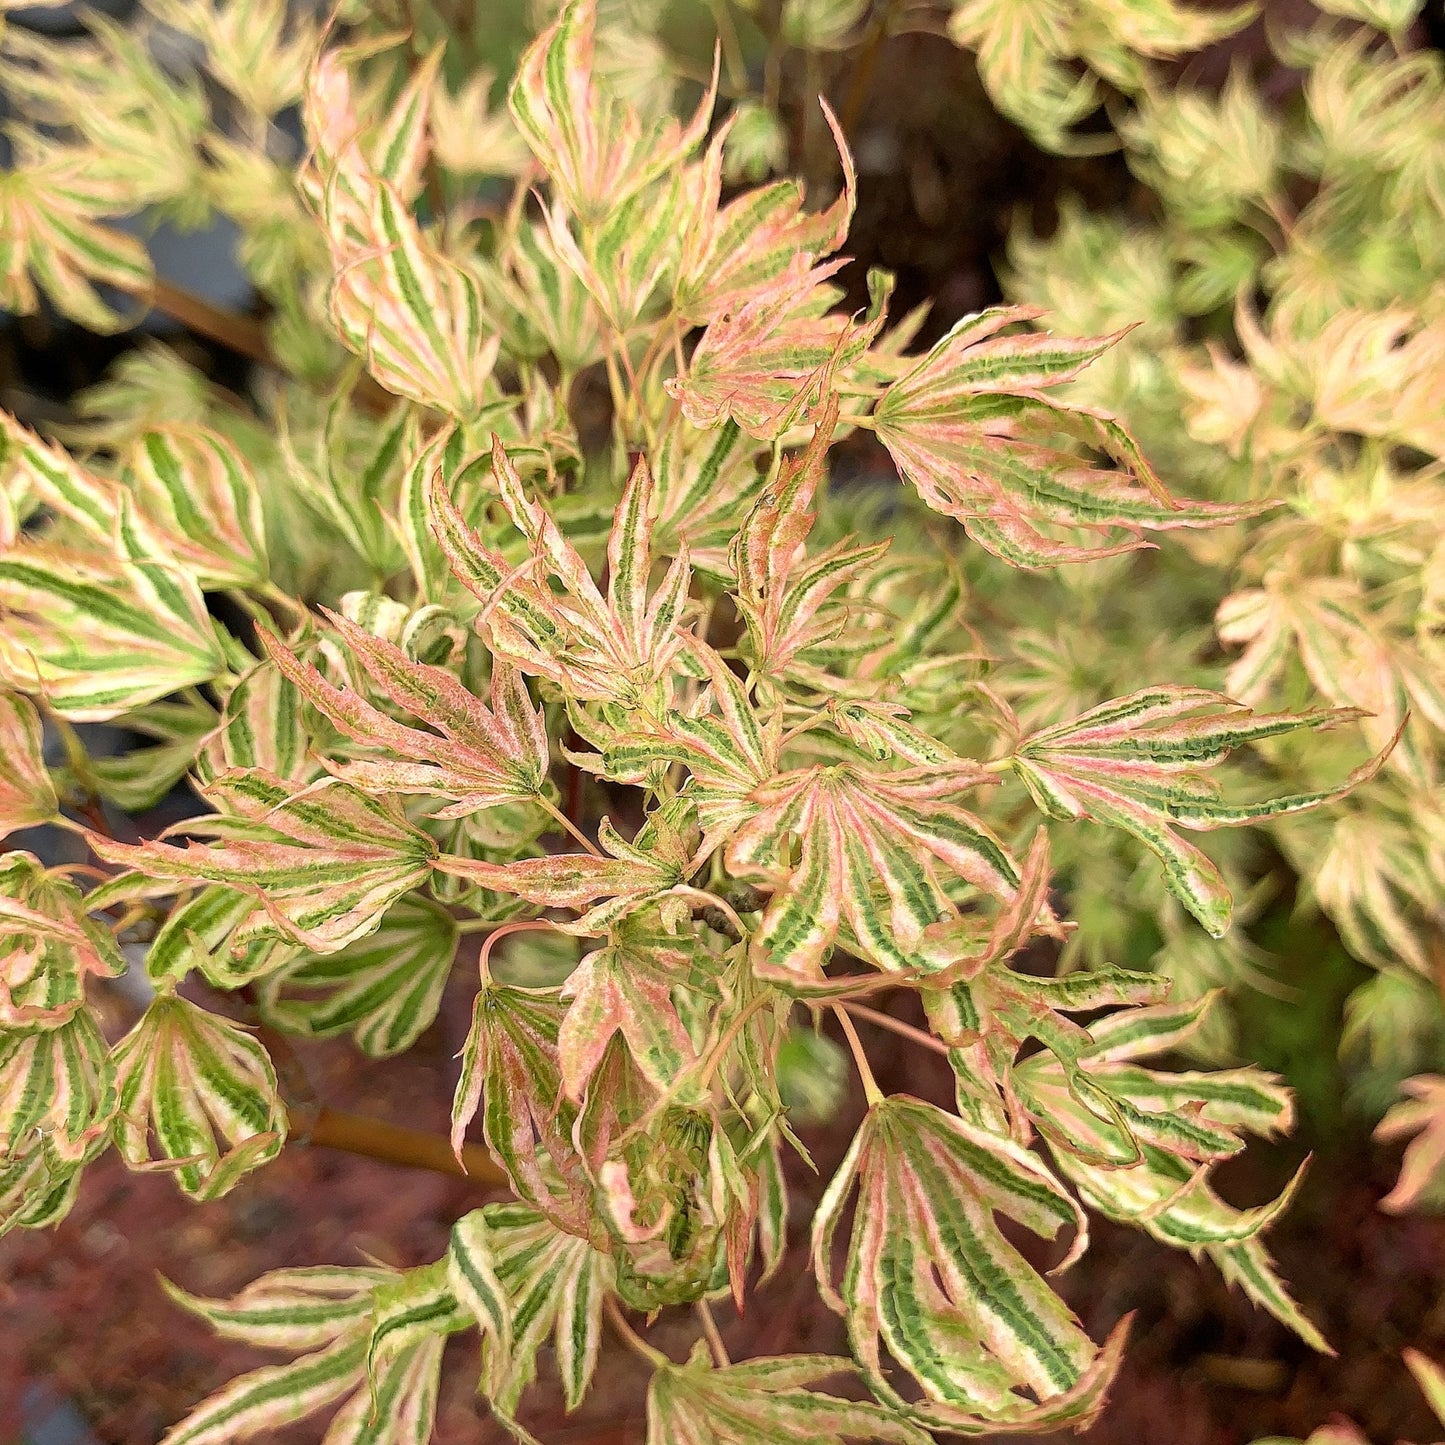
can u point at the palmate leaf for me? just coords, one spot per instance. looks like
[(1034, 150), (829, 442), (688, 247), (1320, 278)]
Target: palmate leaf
[(621, 647), (931, 1278), (57, 1101), (1133, 763), (1348, 654), (631, 876), (1095, 1102), (197, 487), (1179, 1125), (763, 1401), (553, 1283), (200, 933), (474, 755), (1024, 48), (595, 148), (257, 49), (973, 430), (511, 1071), (624, 988), (102, 634), (860, 833), (729, 251), (1420, 1118), (414, 314), (207, 1092), (323, 866), (765, 364), (27, 796), (785, 596), (350, 471), (374, 1335), (51, 239), (623, 259), (193, 487), (48, 947), (1173, 1202), (384, 989)]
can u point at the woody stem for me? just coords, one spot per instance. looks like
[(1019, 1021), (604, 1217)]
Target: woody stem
[(395, 1144), (242, 334)]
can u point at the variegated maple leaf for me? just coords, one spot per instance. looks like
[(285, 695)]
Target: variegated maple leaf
[(843, 843), (1349, 655), (27, 796), (931, 1279), (620, 880), (471, 754), (729, 252), (554, 1283), (761, 1401), (48, 946), (206, 1090), (512, 1073), (621, 647), (384, 989), (1167, 1192), (51, 238), (1134, 763), (414, 313), (972, 428), (596, 149), (1420, 1118), (769, 362), (323, 866), (1096, 1102), (371, 1338), (193, 487), (100, 634), (786, 597), (57, 1103), (625, 989)]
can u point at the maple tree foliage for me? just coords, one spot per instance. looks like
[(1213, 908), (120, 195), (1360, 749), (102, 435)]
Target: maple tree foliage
[(653, 695)]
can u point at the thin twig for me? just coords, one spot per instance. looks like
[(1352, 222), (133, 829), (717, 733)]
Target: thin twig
[(571, 827), (871, 1092), (861, 80), (630, 1337), (714, 1335), (897, 1026)]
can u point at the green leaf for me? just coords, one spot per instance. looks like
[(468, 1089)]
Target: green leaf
[(205, 1090), (971, 428), (384, 989), (931, 1278), (1134, 763), (762, 1401)]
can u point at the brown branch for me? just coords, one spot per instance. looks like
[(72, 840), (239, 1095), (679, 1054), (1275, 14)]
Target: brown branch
[(395, 1144), (245, 336), (861, 80), (242, 334)]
